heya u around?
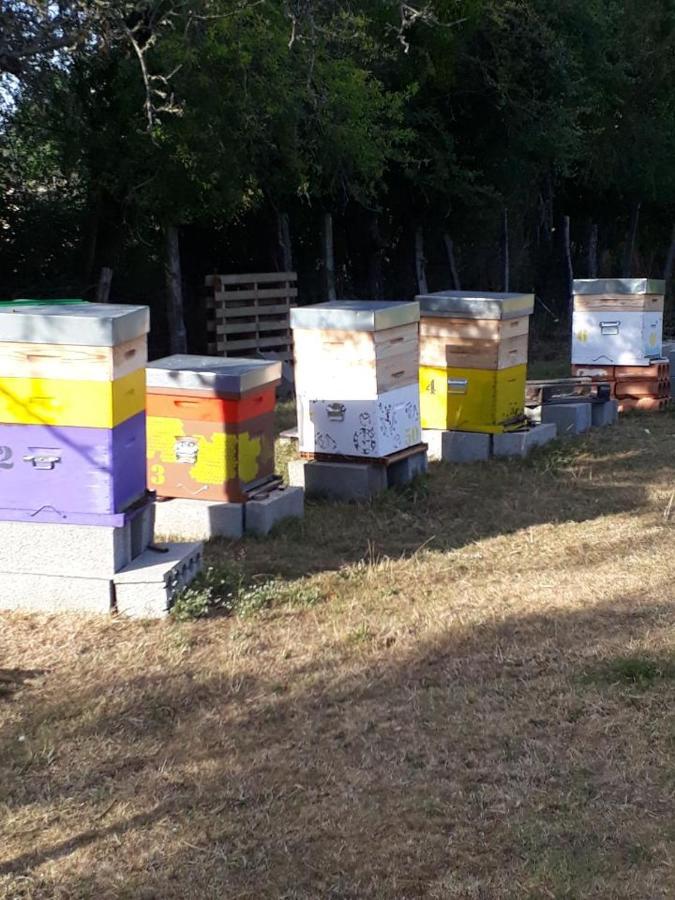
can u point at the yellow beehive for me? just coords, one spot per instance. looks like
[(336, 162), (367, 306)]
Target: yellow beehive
[(465, 399), (473, 360)]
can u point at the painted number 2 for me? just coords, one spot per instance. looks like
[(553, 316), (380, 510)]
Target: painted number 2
[(6, 454)]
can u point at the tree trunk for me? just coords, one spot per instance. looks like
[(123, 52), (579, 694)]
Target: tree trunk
[(329, 256), (505, 251), (670, 261), (450, 250), (377, 246), (631, 238), (593, 251), (569, 274), (174, 287), (104, 282), (420, 261), (285, 246)]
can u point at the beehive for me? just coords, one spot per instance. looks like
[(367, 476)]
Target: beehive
[(617, 321), (473, 359), (356, 377), (72, 411), (210, 426)]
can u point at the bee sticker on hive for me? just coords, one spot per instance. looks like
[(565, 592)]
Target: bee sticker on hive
[(186, 450), (325, 442), (364, 436), (388, 422)]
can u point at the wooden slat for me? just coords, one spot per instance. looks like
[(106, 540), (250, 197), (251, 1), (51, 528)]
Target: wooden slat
[(254, 343), (255, 294), (237, 312), (260, 278)]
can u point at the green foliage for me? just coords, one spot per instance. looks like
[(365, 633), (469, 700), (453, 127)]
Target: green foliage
[(224, 590), (438, 111)]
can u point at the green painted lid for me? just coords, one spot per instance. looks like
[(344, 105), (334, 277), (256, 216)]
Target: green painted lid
[(36, 302)]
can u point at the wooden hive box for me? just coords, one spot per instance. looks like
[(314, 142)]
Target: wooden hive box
[(210, 426), (617, 321), (357, 377), (473, 359), (72, 410)]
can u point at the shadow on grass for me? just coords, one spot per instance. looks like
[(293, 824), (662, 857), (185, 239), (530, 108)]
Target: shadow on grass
[(605, 474), (485, 763)]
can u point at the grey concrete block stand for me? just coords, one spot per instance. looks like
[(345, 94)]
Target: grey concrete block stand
[(570, 418), (202, 520), (457, 446), (147, 588), (603, 414), (520, 443), (354, 480)]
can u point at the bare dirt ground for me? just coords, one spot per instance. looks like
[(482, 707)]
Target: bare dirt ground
[(460, 691)]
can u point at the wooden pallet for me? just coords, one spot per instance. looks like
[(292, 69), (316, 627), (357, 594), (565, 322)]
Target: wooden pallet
[(248, 315), (380, 461), (567, 390)]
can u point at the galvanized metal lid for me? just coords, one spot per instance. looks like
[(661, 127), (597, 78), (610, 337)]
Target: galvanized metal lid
[(82, 324), (356, 315), (618, 286), (211, 374), (476, 305)]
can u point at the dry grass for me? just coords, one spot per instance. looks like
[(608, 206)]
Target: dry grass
[(461, 691)]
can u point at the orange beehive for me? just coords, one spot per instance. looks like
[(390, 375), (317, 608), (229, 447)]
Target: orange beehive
[(210, 426)]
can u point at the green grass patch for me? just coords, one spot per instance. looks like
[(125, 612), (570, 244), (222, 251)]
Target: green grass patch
[(634, 671)]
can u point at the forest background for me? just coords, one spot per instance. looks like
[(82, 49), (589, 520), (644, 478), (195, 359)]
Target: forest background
[(373, 146)]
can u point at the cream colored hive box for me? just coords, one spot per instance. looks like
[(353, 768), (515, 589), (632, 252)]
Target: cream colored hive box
[(357, 377)]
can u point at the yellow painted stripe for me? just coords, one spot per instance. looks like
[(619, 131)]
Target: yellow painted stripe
[(87, 404)]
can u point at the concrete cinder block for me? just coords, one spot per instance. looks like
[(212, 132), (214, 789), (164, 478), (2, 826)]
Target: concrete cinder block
[(296, 473), (342, 480), (405, 470), (570, 418), (147, 588), (54, 593), (603, 414), (520, 443), (43, 548), (261, 514), (457, 446), (199, 520)]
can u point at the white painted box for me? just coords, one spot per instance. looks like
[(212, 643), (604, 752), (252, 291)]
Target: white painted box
[(364, 428), (615, 337)]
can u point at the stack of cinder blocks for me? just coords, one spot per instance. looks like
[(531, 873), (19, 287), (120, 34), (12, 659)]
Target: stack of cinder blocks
[(617, 337), (473, 369), (356, 377), (76, 521), (211, 447)]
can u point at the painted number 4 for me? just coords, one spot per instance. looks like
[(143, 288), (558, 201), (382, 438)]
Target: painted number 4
[(431, 387), (6, 454)]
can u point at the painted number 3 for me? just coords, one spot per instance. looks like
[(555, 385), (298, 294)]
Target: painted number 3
[(157, 475), (5, 457)]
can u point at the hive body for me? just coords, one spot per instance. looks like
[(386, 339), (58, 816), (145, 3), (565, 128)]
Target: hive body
[(210, 426), (356, 376), (473, 360), (72, 411)]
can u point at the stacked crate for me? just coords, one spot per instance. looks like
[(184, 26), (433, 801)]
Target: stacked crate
[(210, 426), (617, 334), (473, 360), (356, 378), (72, 438)]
